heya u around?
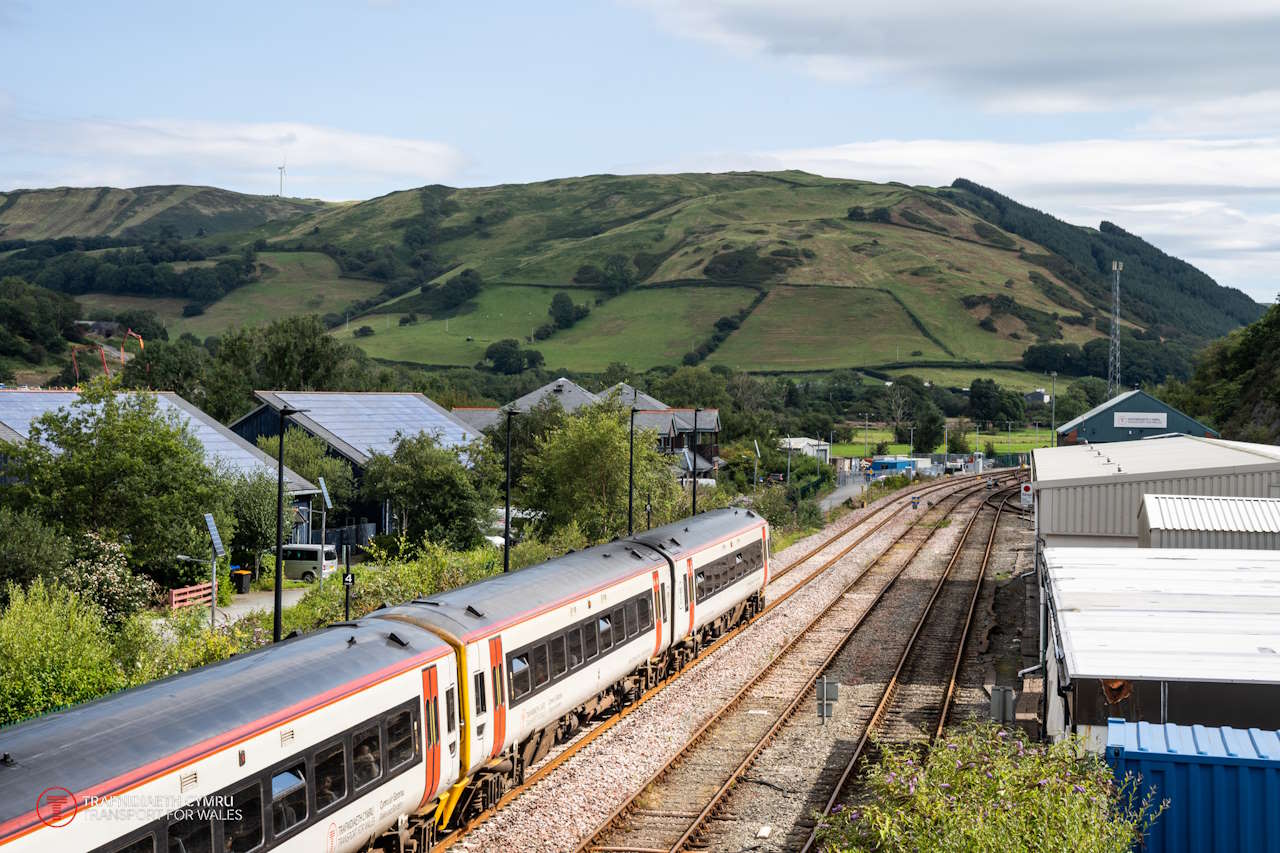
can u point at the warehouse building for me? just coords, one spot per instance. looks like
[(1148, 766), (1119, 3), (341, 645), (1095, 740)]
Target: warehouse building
[(1089, 494), (1198, 521), (1160, 635), (1130, 416)]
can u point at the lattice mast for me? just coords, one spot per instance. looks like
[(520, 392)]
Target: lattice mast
[(1113, 359)]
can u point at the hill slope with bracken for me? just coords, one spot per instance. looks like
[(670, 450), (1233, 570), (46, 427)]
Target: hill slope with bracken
[(760, 271)]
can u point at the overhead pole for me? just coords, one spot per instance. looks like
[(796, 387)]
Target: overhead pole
[(506, 518), (631, 470), (285, 413), (1113, 358), (1053, 407)]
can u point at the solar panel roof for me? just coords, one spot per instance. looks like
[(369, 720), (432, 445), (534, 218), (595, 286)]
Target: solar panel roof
[(18, 408), (359, 424)]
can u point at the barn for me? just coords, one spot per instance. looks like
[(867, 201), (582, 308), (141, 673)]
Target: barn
[(1130, 416)]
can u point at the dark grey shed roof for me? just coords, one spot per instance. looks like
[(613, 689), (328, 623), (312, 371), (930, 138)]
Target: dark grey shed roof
[(661, 421), (629, 395), (85, 746), (479, 418), (569, 394), (358, 424), (18, 408)]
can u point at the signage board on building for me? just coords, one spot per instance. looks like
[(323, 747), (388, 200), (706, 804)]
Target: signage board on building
[(1142, 420)]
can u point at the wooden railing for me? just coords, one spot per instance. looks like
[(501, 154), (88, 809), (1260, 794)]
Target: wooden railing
[(201, 593)]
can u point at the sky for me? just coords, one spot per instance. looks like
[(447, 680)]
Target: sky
[(1162, 116)]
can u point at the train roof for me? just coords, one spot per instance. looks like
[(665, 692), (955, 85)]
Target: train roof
[(167, 723), (683, 537), (486, 606)]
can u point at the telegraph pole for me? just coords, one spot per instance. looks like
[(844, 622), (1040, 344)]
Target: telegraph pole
[(631, 473), (506, 522), (1053, 407), (1113, 359)]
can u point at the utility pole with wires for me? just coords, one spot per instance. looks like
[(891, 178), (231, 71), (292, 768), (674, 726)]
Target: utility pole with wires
[(1113, 358)]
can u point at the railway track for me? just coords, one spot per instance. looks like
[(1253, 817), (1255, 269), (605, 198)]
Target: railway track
[(673, 809), (916, 701), (824, 555)]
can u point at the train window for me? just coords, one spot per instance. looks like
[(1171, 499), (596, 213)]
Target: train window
[(633, 617), (244, 833), (558, 661), (481, 699), (605, 624), (288, 798), (646, 613), (701, 579), (142, 845), (541, 672), (619, 626), (367, 756), (574, 639), (450, 710), (192, 835), (497, 686), (331, 776), (401, 746), (589, 639), (520, 676)]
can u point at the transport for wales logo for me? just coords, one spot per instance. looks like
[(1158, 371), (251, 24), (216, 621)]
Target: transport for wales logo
[(56, 806)]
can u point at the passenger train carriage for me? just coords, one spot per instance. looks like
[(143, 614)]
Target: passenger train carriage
[(382, 732)]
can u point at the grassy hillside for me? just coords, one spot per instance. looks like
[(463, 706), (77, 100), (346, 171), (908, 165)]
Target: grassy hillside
[(857, 274), (141, 211)]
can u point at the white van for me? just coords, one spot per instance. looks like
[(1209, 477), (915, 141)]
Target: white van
[(309, 562)]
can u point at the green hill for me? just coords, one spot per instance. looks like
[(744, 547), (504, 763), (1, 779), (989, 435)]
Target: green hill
[(783, 271), (139, 212)]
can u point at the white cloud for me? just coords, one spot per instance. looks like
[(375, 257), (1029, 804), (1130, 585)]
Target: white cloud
[(321, 161), (1034, 56)]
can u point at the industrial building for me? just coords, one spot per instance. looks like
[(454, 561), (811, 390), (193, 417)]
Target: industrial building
[(1089, 494), (811, 447), (1198, 521), (1130, 416), (1159, 635)]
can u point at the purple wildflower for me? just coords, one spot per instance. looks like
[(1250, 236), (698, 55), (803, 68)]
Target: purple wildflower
[(1042, 783), (945, 786), (1079, 789)]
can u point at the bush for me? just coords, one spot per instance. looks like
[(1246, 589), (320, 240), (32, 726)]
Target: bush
[(364, 332), (99, 573), (54, 651), (809, 514), (192, 309), (985, 788), (772, 503), (30, 547)]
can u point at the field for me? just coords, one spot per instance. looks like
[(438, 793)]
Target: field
[(807, 328), (642, 328), (960, 377), (1019, 441), (290, 283)]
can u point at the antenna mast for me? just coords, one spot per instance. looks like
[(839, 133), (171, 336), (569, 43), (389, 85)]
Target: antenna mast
[(1113, 360)]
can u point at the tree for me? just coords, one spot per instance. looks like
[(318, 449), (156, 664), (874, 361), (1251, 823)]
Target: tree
[(31, 548), (507, 357), (528, 429), (693, 386), (578, 473), (111, 463), (984, 400), (460, 288), (181, 367), (254, 507), (309, 457), (431, 488), (929, 426), (561, 310), (619, 274)]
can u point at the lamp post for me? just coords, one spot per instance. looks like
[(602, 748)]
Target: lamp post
[(693, 461), (631, 472), (285, 412), (506, 519), (788, 460), (1053, 407)]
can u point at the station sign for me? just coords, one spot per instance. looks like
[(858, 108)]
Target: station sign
[(1141, 420)]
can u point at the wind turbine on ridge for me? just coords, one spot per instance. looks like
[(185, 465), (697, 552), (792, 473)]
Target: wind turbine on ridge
[(281, 168)]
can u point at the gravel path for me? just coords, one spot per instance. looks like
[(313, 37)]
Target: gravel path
[(570, 802)]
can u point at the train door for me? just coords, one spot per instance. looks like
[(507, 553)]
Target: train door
[(478, 695), (431, 734), (688, 595), (498, 693), (659, 605)]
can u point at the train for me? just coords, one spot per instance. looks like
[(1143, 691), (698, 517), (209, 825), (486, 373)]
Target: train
[(390, 730)]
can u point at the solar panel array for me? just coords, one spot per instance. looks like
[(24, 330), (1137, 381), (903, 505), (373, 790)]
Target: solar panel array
[(19, 408), (369, 422)]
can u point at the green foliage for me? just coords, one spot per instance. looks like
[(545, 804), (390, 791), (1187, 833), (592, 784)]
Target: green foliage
[(531, 551), (994, 235), (430, 489), (507, 357), (309, 457), (578, 472), (55, 651), (31, 548), (930, 425), (111, 463), (986, 788), (459, 289), (364, 332), (528, 429), (253, 504), (619, 274), (747, 265), (588, 274), (34, 321), (921, 221), (99, 574)]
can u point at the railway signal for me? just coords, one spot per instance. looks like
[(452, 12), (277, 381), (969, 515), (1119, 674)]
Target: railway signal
[(828, 691)]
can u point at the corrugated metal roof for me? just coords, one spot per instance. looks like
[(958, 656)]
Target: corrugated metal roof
[(358, 424), (1194, 741), (19, 408), (1101, 407), (1169, 455), (1167, 614), (1197, 512)]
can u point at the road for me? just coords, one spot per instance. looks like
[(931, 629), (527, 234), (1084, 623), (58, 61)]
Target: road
[(244, 604), (841, 494)]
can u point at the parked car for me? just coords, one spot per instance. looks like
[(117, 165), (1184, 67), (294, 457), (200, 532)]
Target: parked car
[(308, 562)]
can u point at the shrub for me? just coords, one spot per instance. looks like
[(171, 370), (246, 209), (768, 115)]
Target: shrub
[(985, 788), (772, 503), (54, 651), (858, 214), (809, 514), (31, 548), (364, 332), (192, 309), (99, 573)]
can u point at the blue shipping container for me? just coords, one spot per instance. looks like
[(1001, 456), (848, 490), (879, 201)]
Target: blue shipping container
[(1222, 784)]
